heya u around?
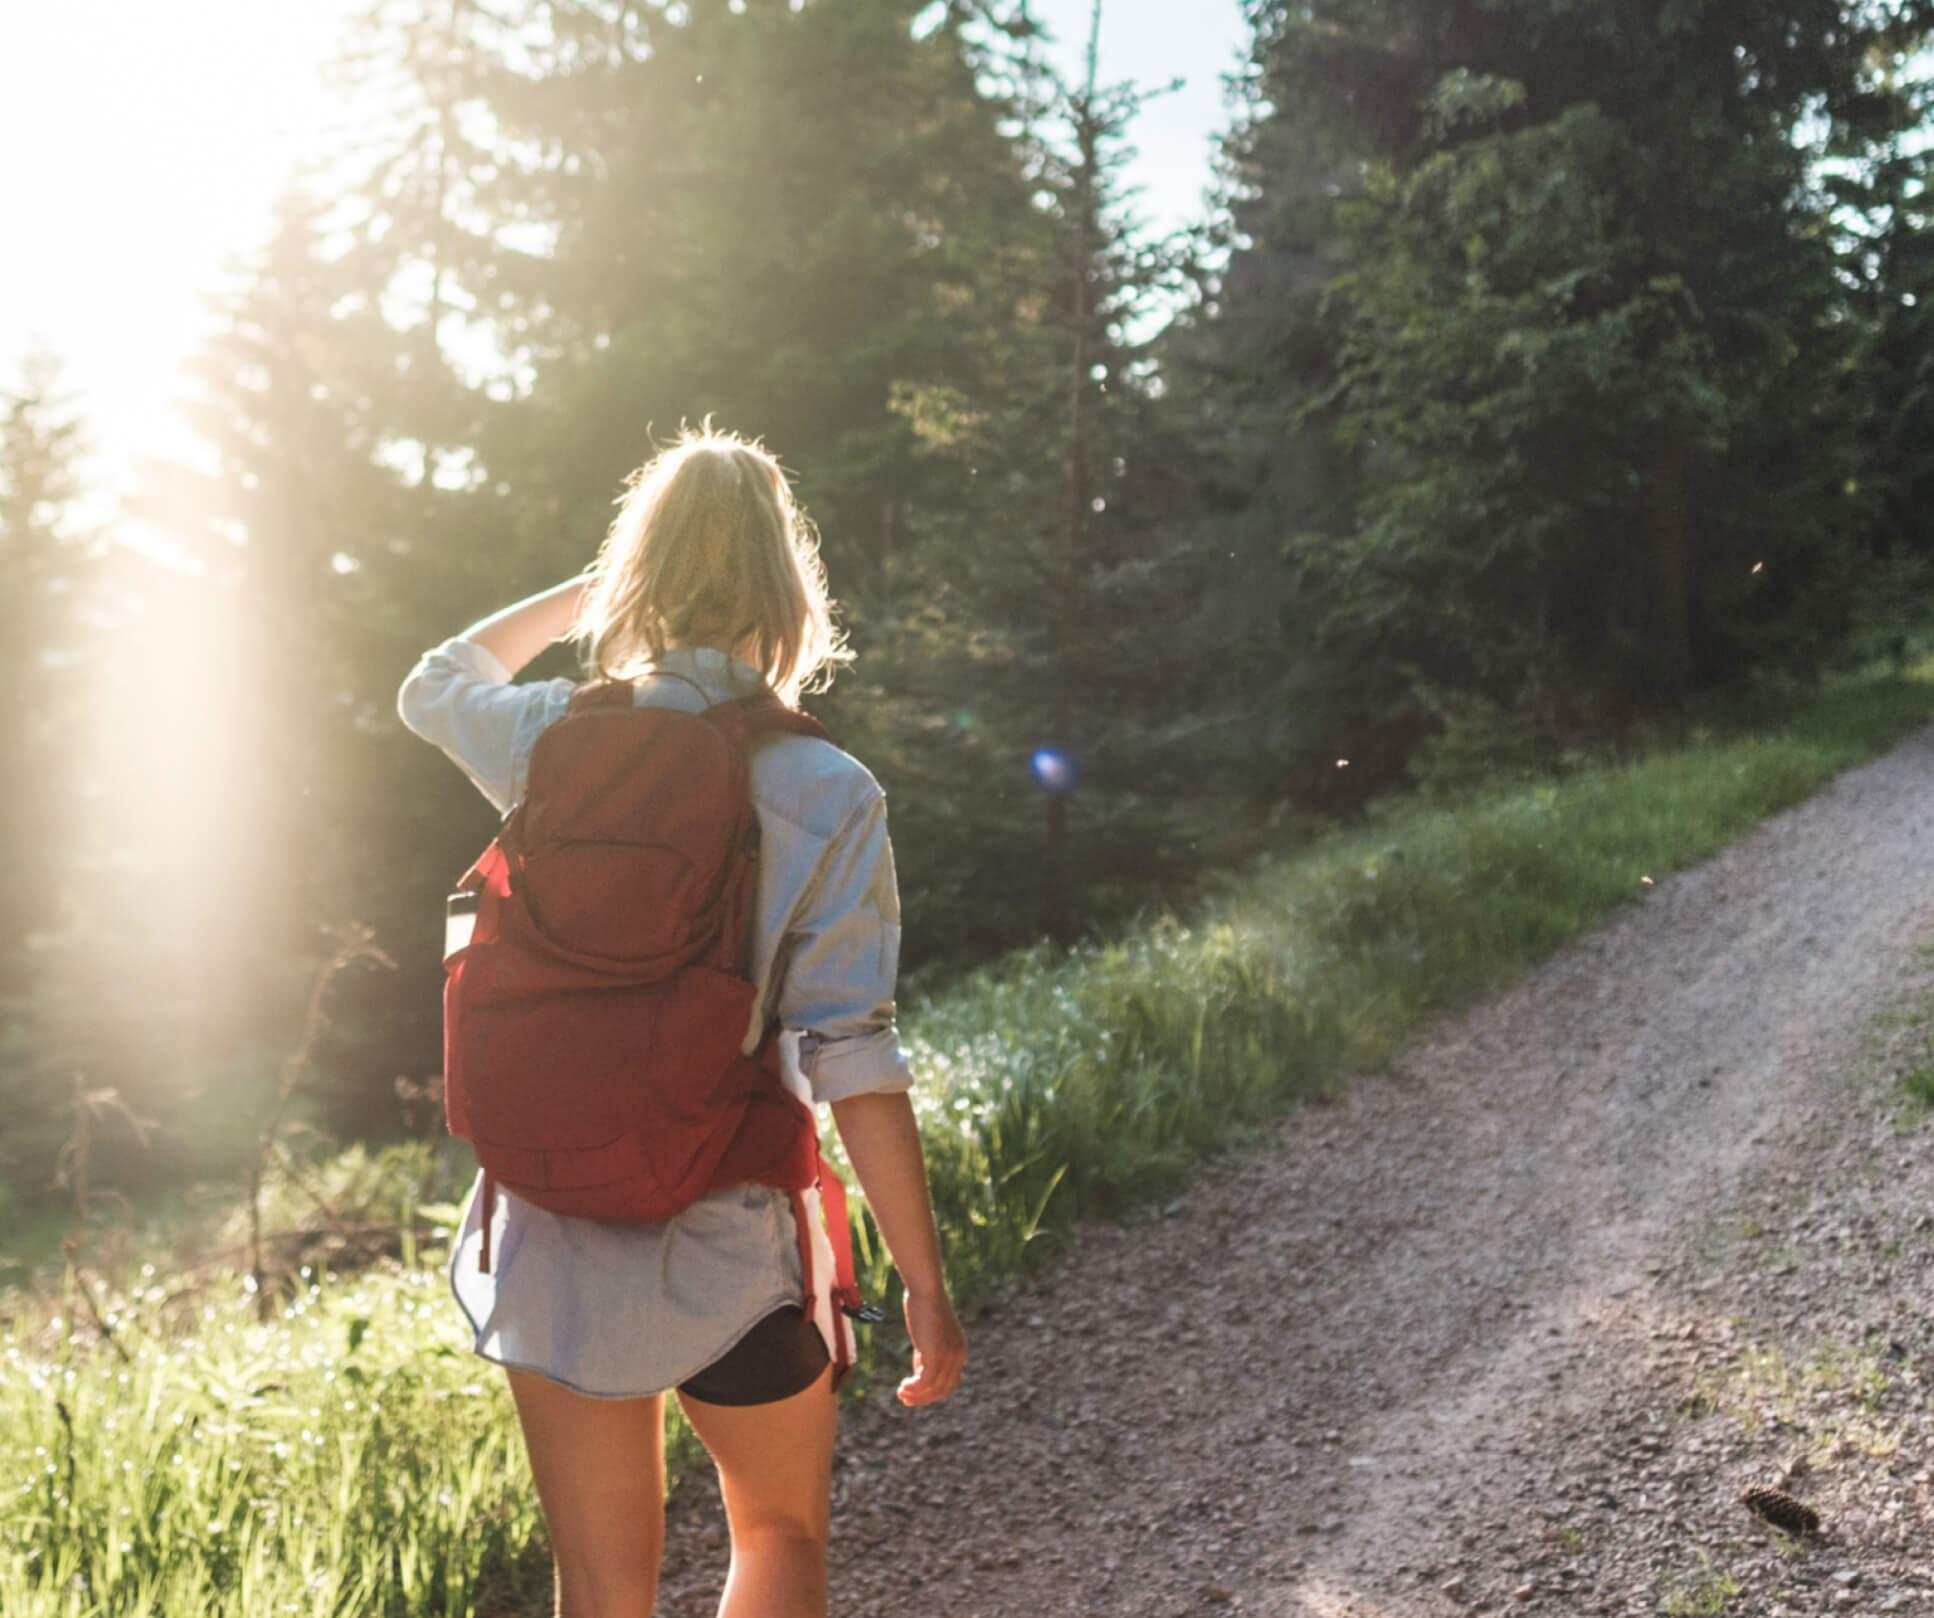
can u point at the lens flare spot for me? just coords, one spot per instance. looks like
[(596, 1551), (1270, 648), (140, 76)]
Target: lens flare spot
[(1054, 771)]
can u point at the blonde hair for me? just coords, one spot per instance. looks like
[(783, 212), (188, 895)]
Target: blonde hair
[(710, 549)]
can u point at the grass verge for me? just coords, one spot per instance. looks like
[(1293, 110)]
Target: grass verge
[(164, 1450), (346, 1457), (1062, 1083)]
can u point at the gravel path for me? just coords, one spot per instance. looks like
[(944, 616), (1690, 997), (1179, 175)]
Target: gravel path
[(1507, 1331)]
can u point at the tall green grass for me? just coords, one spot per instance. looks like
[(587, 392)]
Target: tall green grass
[(348, 1457)]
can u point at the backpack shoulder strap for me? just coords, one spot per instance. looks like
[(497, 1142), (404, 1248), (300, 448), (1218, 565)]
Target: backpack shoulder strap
[(767, 713), (596, 694), (741, 719)]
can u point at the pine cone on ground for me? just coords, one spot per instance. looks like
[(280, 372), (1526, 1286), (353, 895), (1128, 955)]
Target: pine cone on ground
[(1781, 1510)]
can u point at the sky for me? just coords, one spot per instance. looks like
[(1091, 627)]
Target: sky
[(147, 143), (1176, 135)]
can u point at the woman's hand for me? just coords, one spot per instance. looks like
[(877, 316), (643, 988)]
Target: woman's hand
[(939, 1348)]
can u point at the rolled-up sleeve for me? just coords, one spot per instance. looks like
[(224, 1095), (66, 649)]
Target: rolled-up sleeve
[(460, 697), (841, 958)]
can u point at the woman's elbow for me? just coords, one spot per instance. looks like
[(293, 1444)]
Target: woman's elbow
[(413, 698)]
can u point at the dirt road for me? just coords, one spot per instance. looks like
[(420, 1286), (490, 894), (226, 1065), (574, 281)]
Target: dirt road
[(1506, 1331)]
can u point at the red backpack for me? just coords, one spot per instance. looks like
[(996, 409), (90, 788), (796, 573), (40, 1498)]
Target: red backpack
[(593, 1020)]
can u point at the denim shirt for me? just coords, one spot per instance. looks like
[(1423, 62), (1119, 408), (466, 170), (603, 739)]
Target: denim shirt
[(619, 1311)]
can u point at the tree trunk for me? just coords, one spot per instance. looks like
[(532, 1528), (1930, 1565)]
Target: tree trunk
[(1087, 188), (1670, 556)]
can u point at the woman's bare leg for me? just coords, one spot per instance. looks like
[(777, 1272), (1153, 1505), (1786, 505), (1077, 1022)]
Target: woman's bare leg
[(775, 1466), (599, 1465)]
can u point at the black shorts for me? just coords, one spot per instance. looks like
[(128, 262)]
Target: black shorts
[(779, 1357)]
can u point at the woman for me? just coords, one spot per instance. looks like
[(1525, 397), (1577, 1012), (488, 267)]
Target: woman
[(708, 588)]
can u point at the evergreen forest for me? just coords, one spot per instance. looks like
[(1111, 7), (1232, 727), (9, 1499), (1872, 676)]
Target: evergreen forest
[(1548, 373)]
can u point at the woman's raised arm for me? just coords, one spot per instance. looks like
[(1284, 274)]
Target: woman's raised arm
[(517, 633)]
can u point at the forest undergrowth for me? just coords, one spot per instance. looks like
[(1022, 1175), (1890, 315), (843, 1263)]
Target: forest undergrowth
[(290, 1423)]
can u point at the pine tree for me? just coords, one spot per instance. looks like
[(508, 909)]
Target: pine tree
[(1539, 323), (1876, 177), (1039, 597), (48, 562), (44, 550)]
